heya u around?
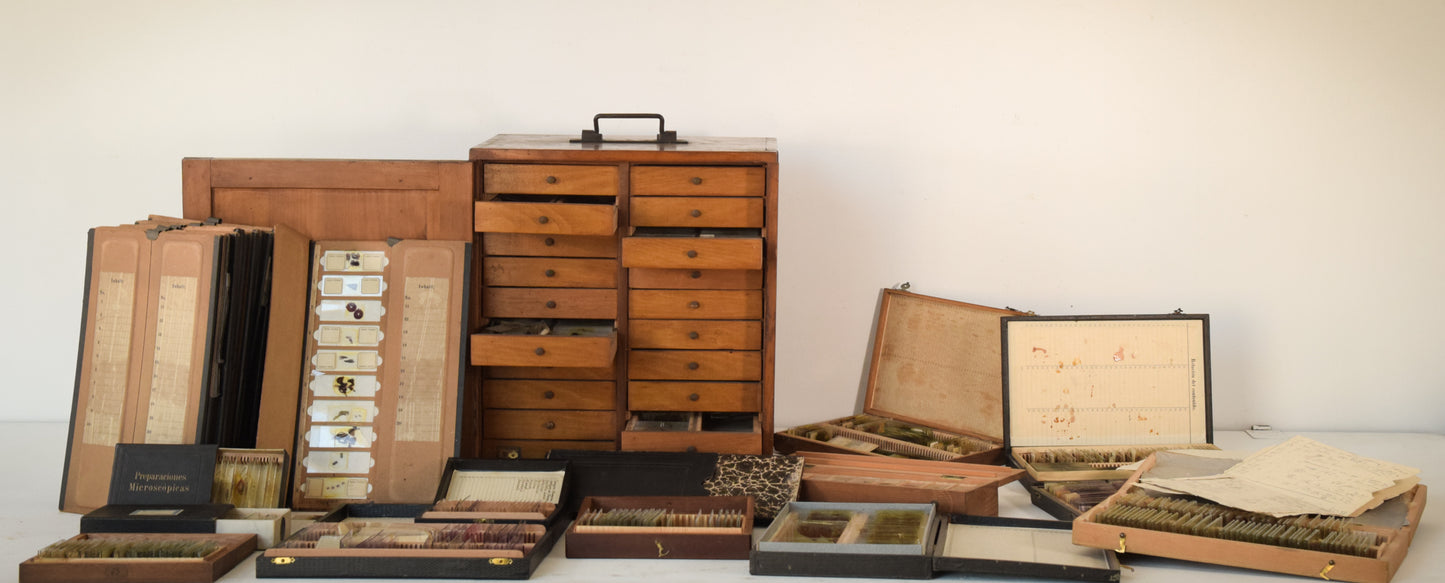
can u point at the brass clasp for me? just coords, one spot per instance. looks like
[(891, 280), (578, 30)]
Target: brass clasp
[(1325, 573), (1121, 548)]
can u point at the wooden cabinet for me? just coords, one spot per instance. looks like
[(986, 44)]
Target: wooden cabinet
[(663, 256)]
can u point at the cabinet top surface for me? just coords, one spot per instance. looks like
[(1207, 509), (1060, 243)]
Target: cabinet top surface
[(558, 147)]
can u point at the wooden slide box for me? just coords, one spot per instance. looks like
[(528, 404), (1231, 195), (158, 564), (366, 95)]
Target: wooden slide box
[(934, 371), (234, 548), (1309, 563), (957, 544), (459, 470), (403, 563), (1121, 385), (956, 488), (645, 542)]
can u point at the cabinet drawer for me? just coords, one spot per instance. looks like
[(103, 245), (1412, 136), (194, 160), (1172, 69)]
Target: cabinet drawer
[(549, 179), (541, 394), (681, 211), (542, 351), (698, 180), (695, 278), (511, 449), (531, 302), (549, 272), (695, 304), (521, 424), (695, 365), (561, 373), (692, 253), (696, 334), (704, 396), (546, 218), (527, 244), (709, 441)]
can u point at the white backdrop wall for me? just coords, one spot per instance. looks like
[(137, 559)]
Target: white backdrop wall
[(1279, 165)]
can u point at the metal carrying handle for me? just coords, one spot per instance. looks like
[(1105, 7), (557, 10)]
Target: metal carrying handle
[(594, 135)]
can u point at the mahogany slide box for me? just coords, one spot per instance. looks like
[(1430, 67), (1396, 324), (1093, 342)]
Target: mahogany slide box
[(406, 563), (234, 548), (957, 488), (663, 542)]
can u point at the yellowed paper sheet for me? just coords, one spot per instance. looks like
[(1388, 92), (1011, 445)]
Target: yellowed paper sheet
[(1301, 476), (110, 363), (171, 376), (423, 359)]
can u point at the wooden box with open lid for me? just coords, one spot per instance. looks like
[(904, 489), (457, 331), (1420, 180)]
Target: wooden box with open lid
[(934, 391), (490, 519), (1367, 548), (1085, 395)]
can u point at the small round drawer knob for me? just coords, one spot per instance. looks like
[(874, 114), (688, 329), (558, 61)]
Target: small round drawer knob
[(511, 454), (694, 305), (695, 275), (692, 366), (693, 335), (540, 351), (549, 241), (548, 395), (691, 253), (697, 180), (694, 397), (551, 180), (692, 449), (696, 212), (551, 304), (550, 273), (549, 425), (542, 220)]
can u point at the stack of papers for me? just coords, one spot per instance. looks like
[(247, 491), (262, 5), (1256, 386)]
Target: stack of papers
[(1299, 476)]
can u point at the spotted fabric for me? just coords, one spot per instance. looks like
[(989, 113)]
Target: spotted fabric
[(772, 481)]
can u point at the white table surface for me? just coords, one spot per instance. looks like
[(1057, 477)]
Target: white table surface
[(35, 454)]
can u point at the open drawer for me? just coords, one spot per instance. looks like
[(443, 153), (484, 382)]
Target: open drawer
[(549, 343)]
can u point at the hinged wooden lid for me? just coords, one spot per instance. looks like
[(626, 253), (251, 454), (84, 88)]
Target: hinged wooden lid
[(1107, 380), (936, 363)]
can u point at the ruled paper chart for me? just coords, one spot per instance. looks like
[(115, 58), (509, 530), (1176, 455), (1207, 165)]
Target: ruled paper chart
[(1107, 381)]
